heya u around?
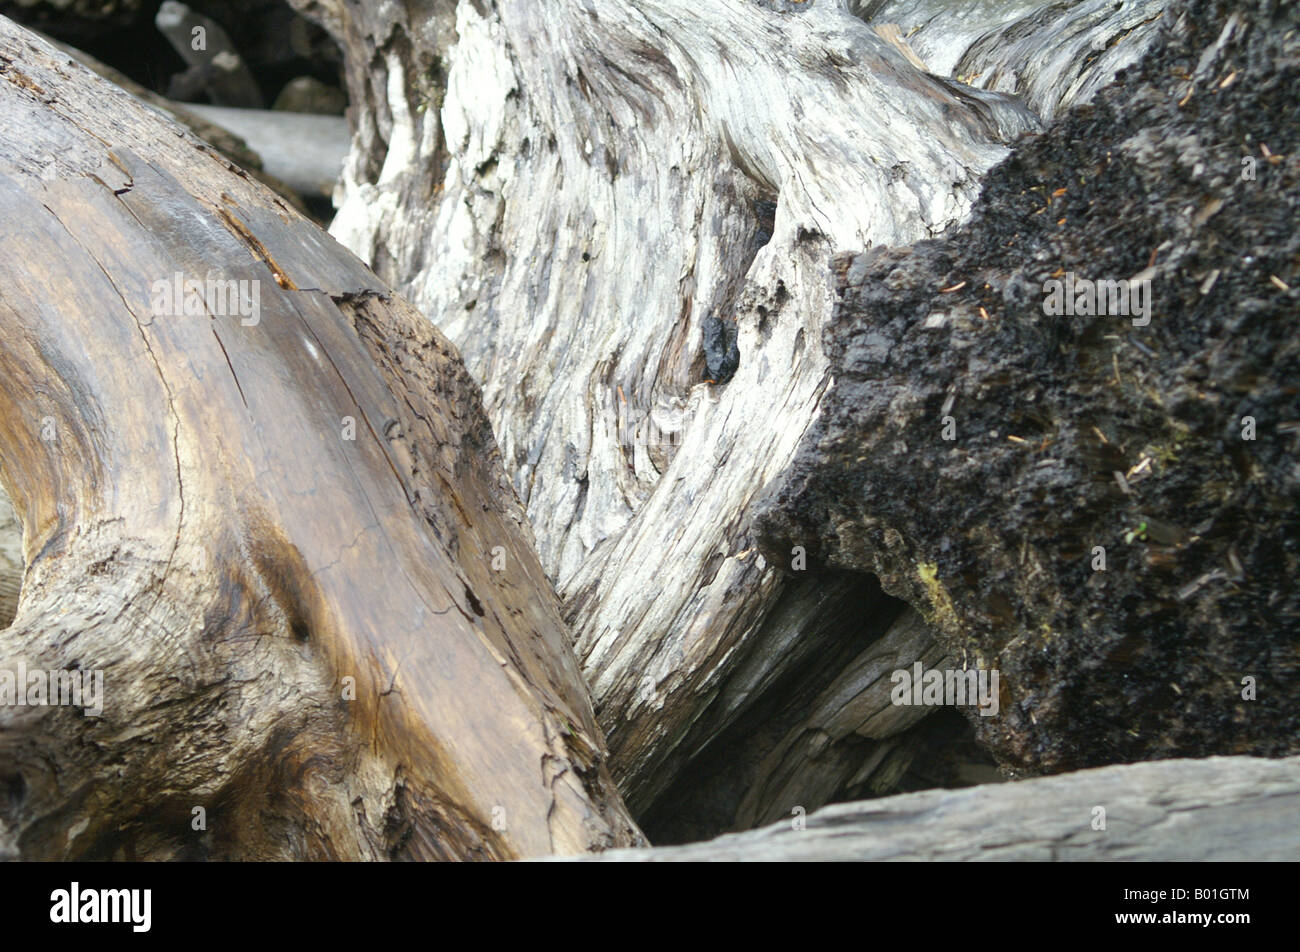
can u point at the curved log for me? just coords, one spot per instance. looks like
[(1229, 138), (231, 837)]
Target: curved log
[(1054, 55), (271, 515)]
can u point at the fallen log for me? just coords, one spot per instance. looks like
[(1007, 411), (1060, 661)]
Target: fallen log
[(1219, 809), (225, 141), (266, 531), (623, 213)]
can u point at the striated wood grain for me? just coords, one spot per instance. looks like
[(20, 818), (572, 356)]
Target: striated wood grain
[(1219, 809), (282, 533), (1052, 54), (11, 559), (622, 213)]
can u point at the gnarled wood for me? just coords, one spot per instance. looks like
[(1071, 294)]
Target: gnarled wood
[(1054, 55), (623, 213)]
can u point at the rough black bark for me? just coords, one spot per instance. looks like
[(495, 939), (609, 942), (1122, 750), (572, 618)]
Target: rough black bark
[(1172, 446)]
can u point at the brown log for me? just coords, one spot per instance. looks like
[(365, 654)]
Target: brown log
[(282, 533)]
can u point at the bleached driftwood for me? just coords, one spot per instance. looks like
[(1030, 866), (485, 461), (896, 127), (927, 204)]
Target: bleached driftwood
[(1053, 54), (579, 193)]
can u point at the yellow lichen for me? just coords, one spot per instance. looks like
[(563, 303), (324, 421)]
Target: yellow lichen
[(944, 613)]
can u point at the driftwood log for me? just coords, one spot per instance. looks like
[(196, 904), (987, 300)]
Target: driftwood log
[(1218, 809), (623, 214), (270, 513), (1112, 520)]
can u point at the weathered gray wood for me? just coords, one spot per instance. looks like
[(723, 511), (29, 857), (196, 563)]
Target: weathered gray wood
[(1219, 809), (1053, 54), (304, 151), (823, 753), (227, 142), (575, 195)]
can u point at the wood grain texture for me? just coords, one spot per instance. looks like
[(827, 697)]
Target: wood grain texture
[(230, 519), (1053, 55), (580, 194), (1219, 809), (11, 559)]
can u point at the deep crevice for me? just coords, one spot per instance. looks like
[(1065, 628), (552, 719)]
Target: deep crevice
[(851, 613)]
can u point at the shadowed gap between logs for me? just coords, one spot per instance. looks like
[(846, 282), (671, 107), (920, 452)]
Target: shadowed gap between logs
[(714, 792)]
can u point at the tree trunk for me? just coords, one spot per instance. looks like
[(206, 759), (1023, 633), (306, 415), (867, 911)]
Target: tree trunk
[(278, 529), (1110, 506), (623, 213)]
